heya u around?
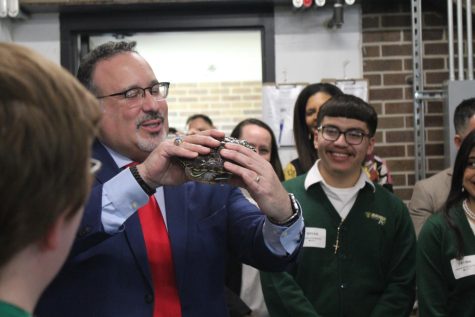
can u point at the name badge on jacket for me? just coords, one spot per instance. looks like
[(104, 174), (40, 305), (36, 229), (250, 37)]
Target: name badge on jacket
[(464, 267), (315, 238)]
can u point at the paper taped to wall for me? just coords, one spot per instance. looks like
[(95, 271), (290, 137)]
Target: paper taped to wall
[(277, 109)]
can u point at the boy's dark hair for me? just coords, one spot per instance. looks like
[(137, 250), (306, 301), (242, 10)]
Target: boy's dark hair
[(352, 107)]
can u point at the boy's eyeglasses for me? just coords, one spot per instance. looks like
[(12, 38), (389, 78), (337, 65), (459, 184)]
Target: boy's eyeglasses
[(352, 136)]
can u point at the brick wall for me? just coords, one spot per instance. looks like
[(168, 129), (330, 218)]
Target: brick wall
[(226, 103), (387, 64)]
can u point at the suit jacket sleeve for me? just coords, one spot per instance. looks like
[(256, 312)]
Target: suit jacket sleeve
[(91, 230), (421, 206), (246, 230)]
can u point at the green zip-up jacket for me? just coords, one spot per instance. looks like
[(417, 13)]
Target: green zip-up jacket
[(10, 310), (371, 274), (440, 294)]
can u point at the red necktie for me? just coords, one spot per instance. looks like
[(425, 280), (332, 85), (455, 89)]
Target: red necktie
[(159, 254)]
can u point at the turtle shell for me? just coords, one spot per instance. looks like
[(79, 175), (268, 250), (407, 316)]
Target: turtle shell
[(210, 168)]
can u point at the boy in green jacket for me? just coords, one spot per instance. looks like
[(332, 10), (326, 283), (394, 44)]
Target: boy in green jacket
[(358, 257)]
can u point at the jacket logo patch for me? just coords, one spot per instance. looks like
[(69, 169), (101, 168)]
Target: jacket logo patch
[(380, 219)]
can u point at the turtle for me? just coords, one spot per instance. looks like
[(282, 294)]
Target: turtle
[(209, 168)]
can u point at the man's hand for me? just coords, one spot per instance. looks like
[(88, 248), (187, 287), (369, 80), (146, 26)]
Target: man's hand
[(254, 173), (161, 169)]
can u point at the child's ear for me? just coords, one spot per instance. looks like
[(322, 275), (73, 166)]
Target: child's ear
[(51, 239)]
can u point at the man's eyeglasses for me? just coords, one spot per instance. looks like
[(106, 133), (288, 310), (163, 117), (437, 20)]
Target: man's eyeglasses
[(158, 91), (352, 136), (95, 165)]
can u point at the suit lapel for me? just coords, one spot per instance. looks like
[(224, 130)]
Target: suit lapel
[(108, 169), (132, 227), (177, 222), (134, 235)]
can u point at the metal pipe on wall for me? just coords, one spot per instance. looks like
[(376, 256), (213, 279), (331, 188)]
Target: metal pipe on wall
[(468, 9), (450, 25), (418, 85), (460, 39)]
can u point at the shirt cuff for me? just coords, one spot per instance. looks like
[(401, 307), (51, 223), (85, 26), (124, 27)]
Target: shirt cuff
[(283, 240), (121, 197)]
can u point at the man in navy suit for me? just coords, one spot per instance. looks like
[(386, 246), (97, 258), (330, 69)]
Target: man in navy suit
[(109, 271)]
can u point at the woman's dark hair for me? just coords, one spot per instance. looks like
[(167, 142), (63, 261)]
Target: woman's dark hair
[(457, 193), (274, 153), (307, 154)]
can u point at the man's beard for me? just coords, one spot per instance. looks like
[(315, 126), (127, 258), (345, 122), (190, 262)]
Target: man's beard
[(148, 144)]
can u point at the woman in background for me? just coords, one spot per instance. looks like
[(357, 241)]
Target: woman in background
[(310, 99), (260, 135), (242, 279), (446, 246)]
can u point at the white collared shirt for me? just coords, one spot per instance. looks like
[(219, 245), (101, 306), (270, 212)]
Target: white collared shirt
[(342, 199), (122, 196)]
